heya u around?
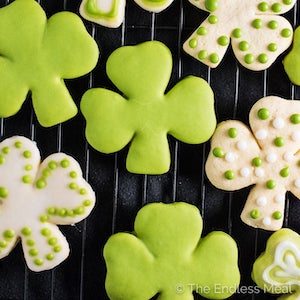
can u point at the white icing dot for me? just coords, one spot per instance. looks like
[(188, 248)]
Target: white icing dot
[(288, 156), (271, 157), (267, 221), (230, 156), (261, 134), (280, 198), (259, 172), (278, 123), (242, 145), (245, 172), (296, 136), (297, 183), (261, 201)]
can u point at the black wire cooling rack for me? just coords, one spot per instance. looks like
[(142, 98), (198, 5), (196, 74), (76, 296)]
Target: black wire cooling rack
[(121, 194)]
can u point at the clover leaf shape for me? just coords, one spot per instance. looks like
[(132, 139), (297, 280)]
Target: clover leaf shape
[(258, 35), (267, 157), (277, 269), (167, 256), (36, 54), (34, 197), (145, 115)]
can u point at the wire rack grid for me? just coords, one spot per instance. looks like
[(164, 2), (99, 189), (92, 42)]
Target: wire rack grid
[(121, 194)]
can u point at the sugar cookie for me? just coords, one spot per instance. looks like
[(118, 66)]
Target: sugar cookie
[(34, 197), (257, 34), (167, 256), (266, 156), (146, 115)]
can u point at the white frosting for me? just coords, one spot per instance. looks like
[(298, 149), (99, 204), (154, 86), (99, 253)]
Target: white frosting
[(259, 172), (280, 198), (288, 156), (267, 221), (245, 172), (261, 201), (261, 134), (242, 145), (297, 183), (296, 136), (278, 123), (271, 158), (230, 156)]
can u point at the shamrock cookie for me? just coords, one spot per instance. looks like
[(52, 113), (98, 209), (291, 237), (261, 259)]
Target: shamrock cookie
[(267, 156), (258, 35), (292, 61), (36, 55), (166, 256), (277, 270), (34, 197), (144, 116)]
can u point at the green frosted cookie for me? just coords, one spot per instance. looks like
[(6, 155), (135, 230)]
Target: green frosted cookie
[(145, 115), (36, 54), (167, 256), (277, 270)]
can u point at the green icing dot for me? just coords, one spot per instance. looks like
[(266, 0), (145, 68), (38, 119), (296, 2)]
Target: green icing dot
[(51, 211), (70, 213), (46, 232), (44, 218), (287, 2), (295, 118), (41, 184), (232, 132), (28, 167), (277, 215), (249, 58), (3, 244), (202, 30), (27, 154), (57, 249), (30, 242), (257, 162), (243, 46), (65, 163), (82, 191), (285, 172), (286, 32), (73, 174), (6, 150), (18, 144), (211, 5), (271, 184), (2, 159), (257, 23), (276, 7), (229, 175), (263, 6), (218, 152), (202, 54), (62, 212), (212, 19), (79, 210), (254, 214), (223, 40), (273, 24), (279, 141), (39, 262), (263, 113), (263, 58), (33, 252), (73, 186), (52, 241), (3, 192), (87, 202), (237, 33), (46, 173), (52, 165), (214, 58), (272, 47), (27, 179), (50, 256), (26, 231), (193, 43)]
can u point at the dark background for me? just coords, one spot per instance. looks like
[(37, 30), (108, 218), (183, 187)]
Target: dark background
[(121, 194)]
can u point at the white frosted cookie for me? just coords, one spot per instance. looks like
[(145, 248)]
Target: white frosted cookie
[(36, 196), (109, 13), (257, 34), (266, 156)]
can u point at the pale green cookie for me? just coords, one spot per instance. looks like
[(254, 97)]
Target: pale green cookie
[(34, 197), (145, 115), (36, 54), (167, 256), (277, 270), (292, 61)]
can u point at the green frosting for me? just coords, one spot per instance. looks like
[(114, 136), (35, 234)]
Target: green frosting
[(145, 115), (292, 61), (36, 55), (166, 256)]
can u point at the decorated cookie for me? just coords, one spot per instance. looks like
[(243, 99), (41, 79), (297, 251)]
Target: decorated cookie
[(35, 196), (258, 35), (36, 55), (167, 256), (144, 116), (109, 13), (267, 156), (277, 270), (292, 61)]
